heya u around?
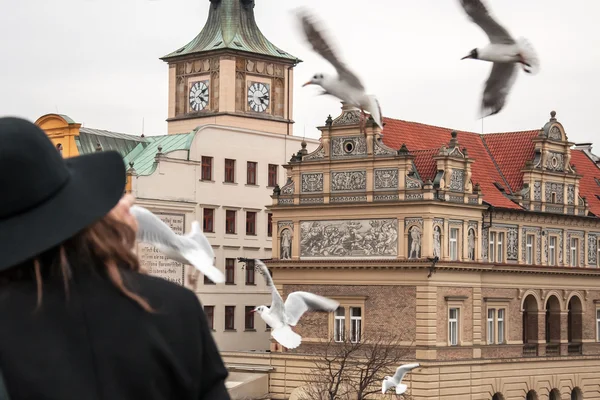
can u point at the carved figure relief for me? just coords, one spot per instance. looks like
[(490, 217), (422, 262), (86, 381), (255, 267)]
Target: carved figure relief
[(286, 245), (349, 238), (555, 133), (593, 249), (457, 180), (437, 242), (386, 179), (512, 248), (412, 183), (312, 183), (555, 161), (571, 194), (471, 244), (348, 181), (348, 146), (414, 243), (537, 191)]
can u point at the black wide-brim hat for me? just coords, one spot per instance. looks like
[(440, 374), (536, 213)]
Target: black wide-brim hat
[(46, 199)]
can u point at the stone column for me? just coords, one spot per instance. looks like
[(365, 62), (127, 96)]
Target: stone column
[(564, 333)]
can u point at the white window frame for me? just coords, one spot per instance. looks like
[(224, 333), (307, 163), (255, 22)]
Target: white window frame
[(500, 245), (501, 325), (453, 326), (339, 325), (454, 232), (492, 247), (574, 247), (491, 325), (552, 250), (529, 249), (355, 325)]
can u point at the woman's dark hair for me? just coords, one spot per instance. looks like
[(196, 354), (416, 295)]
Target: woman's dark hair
[(105, 245)]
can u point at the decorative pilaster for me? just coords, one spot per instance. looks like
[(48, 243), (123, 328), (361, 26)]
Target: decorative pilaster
[(426, 324)]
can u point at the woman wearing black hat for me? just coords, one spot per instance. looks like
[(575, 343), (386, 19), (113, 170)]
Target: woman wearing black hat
[(77, 319)]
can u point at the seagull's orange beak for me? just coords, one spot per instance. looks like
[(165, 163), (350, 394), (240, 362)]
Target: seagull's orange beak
[(307, 83)]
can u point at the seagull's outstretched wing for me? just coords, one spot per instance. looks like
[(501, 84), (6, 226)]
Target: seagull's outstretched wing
[(479, 14), (198, 236), (402, 370), (501, 79), (298, 303), (277, 307), (185, 249), (316, 38)]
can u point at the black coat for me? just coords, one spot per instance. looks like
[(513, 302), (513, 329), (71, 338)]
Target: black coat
[(101, 345)]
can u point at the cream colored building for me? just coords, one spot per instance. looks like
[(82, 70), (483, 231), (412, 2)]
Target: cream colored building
[(509, 310), (229, 137)]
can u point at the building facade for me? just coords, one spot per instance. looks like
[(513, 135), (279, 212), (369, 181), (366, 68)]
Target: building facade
[(229, 137), (483, 250)]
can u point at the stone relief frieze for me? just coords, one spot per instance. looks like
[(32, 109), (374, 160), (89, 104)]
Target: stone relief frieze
[(457, 180), (311, 200), (555, 161), (312, 182), (413, 221), (348, 199), (318, 154), (512, 247), (571, 194), (412, 183), (285, 224), (439, 221), (349, 238), (380, 149), (413, 196), (285, 202), (456, 199), (555, 133), (537, 191), (351, 146), (593, 249), (386, 178), (288, 189), (558, 188), (350, 117), (554, 209), (348, 181), (385, 197)]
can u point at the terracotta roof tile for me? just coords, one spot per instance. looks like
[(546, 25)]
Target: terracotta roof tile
[(426, 165), (419, 136), (588, 187), (511, 151)]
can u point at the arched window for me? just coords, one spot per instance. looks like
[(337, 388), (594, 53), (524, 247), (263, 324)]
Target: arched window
[(531, 395), (575, 320), (576, 394), (554, 395), (497, 396)]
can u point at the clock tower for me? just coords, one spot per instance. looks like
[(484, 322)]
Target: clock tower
[(231, 74)]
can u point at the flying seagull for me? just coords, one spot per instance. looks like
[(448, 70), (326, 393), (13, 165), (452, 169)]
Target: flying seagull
[(282, 316), (193, 248), (396, 380), (346, 86), (504, 52)]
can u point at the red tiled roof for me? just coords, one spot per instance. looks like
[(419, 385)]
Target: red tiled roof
[(511, 151), (426, 165), (418, 136), (588, 187)]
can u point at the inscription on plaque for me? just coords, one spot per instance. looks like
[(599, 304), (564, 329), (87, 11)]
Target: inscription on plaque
[(155, 262)]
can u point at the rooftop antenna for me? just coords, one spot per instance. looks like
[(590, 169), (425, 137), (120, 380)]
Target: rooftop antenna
[(142, 126)]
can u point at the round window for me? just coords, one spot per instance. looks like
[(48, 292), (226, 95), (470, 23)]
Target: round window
[(554, 162), (348, 147)]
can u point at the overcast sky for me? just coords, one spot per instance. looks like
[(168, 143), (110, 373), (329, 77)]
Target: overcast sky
[(97, 60)]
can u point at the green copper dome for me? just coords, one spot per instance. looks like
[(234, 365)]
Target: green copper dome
[(231, 25)]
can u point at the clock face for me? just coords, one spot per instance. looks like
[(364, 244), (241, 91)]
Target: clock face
[(199, 96), (259, 96)]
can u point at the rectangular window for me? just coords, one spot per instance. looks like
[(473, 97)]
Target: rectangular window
[(207, 168), (453, 326), (229, 318), (552, 250), (553, 198), (529, 249), (250, 272), (339, 324), (249, 324), (210, 316), (251, 173), (492, 255), (250, 223), (453, 244), (230, 271), (490, 325), (501, 312), (500, 245), (574, 252), (208, 224), (598, 325), (272, 175), (229, 170), (269, 225), (355, 324), (207, 281), (230, 222)]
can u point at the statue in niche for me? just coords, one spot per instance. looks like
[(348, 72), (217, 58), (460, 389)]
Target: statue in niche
[(437, 245), (471, 242), (286, 245), (414, 239)]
